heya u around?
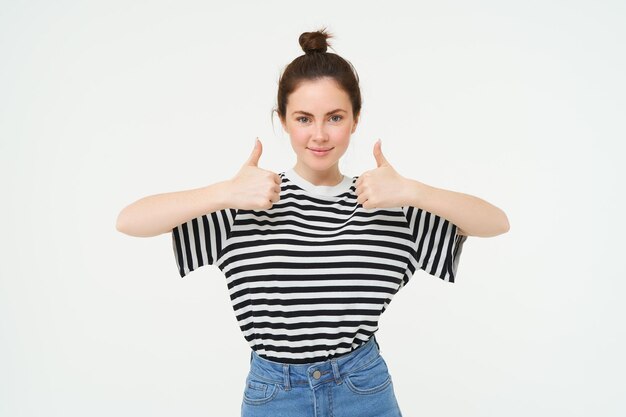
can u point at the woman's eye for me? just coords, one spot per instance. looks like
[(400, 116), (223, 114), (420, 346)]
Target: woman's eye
[(304, 117)]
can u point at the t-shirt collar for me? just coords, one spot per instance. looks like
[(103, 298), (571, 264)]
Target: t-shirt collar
[(328, 190)]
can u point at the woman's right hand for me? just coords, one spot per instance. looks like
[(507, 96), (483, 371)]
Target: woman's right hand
[(254, 188)]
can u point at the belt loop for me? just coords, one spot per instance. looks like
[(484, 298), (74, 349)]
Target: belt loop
[(336, 373), (286, 375)]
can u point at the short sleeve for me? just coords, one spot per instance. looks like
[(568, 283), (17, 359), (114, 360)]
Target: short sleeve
[(200, 241), (436, 243)]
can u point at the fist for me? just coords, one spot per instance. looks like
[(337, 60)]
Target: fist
[(254, 188), (381, 187)]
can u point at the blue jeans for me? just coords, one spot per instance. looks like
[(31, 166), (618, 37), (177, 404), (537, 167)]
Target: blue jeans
[(356, 384)]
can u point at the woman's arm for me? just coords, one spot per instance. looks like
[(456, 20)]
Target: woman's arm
[(474, 216), (160, 213)]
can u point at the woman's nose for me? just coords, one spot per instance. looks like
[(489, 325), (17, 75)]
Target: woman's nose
[(320, 132)]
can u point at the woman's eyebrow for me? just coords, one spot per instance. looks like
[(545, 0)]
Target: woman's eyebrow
[(309, 114)]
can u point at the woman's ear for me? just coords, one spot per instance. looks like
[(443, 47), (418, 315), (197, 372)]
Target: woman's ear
[(284, 124), (356, 121)]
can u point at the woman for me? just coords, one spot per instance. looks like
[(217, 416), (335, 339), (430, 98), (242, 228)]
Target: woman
[(313, 257)]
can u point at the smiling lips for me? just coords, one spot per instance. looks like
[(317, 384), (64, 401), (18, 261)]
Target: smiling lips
[(320, 151)]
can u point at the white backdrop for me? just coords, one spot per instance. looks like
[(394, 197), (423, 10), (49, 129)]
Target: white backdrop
[(105, 102)]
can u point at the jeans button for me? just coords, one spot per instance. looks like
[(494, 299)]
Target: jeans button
[(317, 374)]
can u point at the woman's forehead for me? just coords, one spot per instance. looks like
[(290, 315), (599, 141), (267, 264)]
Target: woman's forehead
[(318, 98)]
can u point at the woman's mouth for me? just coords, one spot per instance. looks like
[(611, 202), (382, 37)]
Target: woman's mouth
[(320, 151)]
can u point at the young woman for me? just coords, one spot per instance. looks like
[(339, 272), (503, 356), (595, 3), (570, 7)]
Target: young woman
[(313, 257)]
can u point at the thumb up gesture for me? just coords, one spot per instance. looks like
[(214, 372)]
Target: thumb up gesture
[(254, 188), (381, 187)]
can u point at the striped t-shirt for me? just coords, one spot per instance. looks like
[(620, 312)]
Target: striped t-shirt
[(309, 278)]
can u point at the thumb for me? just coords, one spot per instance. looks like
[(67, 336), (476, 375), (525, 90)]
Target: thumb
[(378, 154), (256, 153)]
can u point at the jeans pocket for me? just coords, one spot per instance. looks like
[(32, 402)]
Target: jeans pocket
[(369, 379), (258, 391)]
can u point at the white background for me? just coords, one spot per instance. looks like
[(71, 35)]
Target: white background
[(105, 102)]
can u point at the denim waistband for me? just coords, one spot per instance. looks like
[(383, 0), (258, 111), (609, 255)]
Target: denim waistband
[(315, 373)]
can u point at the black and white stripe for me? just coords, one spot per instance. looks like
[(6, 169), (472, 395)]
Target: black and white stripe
[(200, 241), (310, 277)]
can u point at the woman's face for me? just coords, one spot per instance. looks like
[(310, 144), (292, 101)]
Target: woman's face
[(319, 117)]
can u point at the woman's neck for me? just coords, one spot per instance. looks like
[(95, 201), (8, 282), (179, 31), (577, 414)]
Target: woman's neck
[(330, 178)]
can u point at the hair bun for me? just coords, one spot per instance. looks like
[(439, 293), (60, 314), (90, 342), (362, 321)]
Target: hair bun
[(312, 42)]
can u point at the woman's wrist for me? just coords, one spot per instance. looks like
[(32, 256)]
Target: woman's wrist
[(219, 195)]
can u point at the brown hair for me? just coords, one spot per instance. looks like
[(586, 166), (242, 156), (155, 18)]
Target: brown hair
[(316, 63)]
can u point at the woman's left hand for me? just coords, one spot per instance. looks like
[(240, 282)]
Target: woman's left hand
[(383, 186)]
